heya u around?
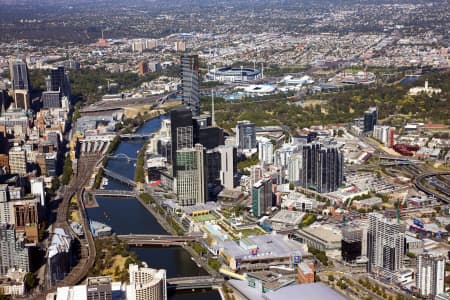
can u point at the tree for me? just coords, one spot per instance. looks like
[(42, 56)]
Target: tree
[(67, 171), (291, 186), (30, 281), (330, 278)]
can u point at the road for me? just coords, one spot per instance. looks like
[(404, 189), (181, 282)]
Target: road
[(86, 166)]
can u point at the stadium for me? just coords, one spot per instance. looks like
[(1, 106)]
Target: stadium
[(233, 74)]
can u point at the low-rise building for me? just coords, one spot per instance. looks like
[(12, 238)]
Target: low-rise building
[(306, 272), (322, 237), (257, 252)]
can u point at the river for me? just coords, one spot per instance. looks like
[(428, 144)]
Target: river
[(126, 215)]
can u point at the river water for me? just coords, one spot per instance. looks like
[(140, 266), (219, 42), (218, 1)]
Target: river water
[(126, 215)]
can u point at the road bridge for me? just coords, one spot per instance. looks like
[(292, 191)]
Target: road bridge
[(118, 177), (194, 282), (122, 156), (113, 193), (134, 136), (157, 239)]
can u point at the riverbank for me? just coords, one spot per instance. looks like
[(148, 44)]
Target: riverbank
[(199, 260)]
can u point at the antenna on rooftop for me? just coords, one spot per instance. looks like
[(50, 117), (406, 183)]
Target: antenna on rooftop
[(213, 118)]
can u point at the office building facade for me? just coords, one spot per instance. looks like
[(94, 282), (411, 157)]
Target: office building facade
[(13, 251), (385, 244), (190, 182), (321, 167), (228, 165), (384, 134), (352, 241), (262, 197), (18, 161), (20, 76), (51, 99), (370, 119), (245, 135), (146, 284), (182, 132), (190, 83), (265, 151), (430, 275), (60, 81)]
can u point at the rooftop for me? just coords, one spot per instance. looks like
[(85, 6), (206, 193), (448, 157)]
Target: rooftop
[(315, 290)]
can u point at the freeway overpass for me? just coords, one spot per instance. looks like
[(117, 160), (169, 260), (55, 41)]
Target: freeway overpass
[(439, 193)]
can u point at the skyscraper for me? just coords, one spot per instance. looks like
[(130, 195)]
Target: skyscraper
[(430, 275), (322, 167), (228, 165), (21, 84), (261, 197), (60, 81), (245, 135), (265, 151), (385, 244), (191, 185), (182, 133), (190, 84), (370, 119), (146, 284), (20, 77), (13, 252)]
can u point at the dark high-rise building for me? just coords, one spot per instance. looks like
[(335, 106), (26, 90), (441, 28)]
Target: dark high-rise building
[(20, 77), (190, 84), (262, 197), (51, 99), (370, 119), (352, 242), (321, 167), (60, 81), (182, 132), (209, 137), (245, 135)]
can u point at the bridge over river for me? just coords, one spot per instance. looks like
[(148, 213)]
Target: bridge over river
[(194, 282), (157, 239)]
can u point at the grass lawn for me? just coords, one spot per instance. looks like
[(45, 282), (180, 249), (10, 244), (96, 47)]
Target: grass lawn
[(204, 218), (251, 231)]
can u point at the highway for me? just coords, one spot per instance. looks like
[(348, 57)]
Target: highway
[(440, 190)]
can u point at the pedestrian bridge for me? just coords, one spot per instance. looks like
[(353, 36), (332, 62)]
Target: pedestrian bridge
[(118, 177)]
